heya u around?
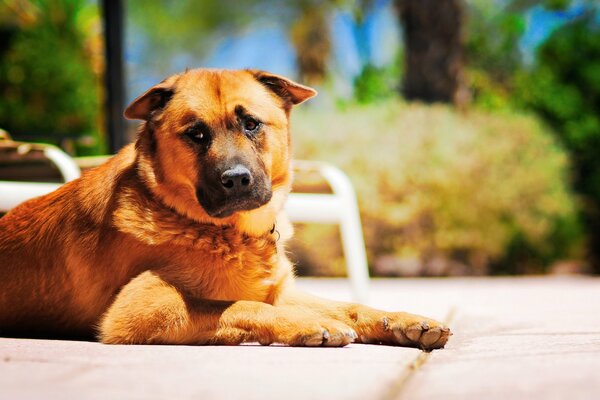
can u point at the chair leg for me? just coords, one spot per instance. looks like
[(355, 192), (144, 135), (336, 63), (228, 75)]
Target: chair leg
[(354, 251), (351, 230)]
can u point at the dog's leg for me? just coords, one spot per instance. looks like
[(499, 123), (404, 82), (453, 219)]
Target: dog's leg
[(372, 325), (150, 310)]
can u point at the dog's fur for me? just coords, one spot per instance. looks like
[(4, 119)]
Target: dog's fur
[(150, 248)]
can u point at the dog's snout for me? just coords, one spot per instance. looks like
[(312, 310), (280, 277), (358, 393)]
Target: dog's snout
[(233, 187), (236, 178)]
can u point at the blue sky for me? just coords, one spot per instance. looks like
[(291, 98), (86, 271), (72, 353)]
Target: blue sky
[(541, 23)]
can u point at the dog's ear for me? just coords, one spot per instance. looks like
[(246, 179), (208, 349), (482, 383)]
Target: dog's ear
[(154, 99), (293, 93)]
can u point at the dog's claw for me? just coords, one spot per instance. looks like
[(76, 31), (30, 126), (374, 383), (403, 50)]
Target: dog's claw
[(414, 333), (386, 323), (428, 338)]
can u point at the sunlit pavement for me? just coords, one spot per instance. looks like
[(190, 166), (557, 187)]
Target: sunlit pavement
[(513, 338)]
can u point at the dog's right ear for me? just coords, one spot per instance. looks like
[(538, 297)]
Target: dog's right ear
[(154, 99), (291, 92)]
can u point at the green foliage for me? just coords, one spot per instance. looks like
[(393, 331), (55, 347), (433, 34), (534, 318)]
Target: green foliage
[(492, 40), (49, 88), (458, 193), (375, 84), (492, 52), (564, 88)]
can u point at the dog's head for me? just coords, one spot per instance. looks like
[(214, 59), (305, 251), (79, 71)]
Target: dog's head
[(216, 143)]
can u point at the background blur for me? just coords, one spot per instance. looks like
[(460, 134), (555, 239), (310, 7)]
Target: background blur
[(470, 129)]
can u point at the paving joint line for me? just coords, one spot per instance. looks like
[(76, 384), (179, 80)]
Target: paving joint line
[(397, 387)]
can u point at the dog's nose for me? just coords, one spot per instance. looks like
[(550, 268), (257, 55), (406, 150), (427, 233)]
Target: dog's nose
[(236, 178)]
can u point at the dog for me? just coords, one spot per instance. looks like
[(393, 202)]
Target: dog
[(180, 237)]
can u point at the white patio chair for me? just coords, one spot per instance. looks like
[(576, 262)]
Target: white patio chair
[(14, 193), (339, 207)]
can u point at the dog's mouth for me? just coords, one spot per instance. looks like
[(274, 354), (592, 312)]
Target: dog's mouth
[(223, 206)]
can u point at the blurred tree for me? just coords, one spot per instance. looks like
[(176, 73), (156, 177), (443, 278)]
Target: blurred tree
[(197, 25), (564, 88), (445, 38), (50, 64), (493, 54), (171, 26), (311, 38), (433, 36)]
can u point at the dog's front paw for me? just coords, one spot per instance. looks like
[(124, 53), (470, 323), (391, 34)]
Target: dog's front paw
[(401, 329), (314, 333), (416, 331)]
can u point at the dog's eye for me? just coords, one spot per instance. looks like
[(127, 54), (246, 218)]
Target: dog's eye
[(251, 125), (197, 135)]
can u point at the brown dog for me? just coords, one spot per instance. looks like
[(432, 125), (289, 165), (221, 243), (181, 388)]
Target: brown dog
[(173, 240)]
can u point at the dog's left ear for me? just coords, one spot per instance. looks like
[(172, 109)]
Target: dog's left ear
[(293, 93), (154, 99)]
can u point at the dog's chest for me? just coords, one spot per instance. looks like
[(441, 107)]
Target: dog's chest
[(232, 269), (209, 262), (245, 277)]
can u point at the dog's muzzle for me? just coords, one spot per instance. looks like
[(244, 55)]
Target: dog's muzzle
[(236, 189)]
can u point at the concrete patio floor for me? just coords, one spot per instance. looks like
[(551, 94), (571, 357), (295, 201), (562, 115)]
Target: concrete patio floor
[(529, 338)]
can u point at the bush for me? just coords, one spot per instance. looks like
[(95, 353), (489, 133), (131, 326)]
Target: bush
[(442, 192)]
